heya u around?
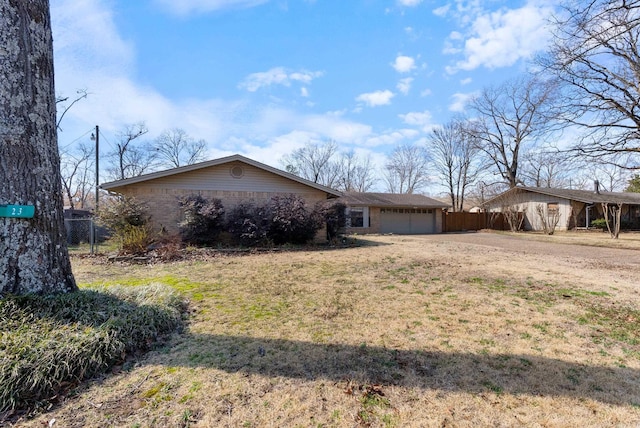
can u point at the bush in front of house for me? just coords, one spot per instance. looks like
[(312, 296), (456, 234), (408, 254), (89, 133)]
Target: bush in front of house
[(283, 220), (601, 223), (249, 224), (203, 220), (128, 220), (291, 221), (333, 214)]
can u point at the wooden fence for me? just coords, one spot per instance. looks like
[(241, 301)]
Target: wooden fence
[(461, 221)]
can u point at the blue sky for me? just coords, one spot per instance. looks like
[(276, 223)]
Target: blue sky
[(264, 77)]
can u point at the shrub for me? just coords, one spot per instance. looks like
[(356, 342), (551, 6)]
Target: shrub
[(128, 220), (203, 220), (249, 224), (333, 214), (51, 343), (291, 221), (601, 223)]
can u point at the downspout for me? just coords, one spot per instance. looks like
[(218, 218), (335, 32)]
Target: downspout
[(588, 208)]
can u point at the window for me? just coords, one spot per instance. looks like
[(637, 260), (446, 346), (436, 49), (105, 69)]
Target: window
[(552, 208), (356, 217)]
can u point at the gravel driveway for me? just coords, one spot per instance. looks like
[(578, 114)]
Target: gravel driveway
[(523, 245)]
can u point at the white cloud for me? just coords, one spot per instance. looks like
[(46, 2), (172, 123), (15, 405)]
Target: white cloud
[(404, 85), (377, 98), (409, 3), (277, 76), (442, 10), (391, 138), (422, 120), (460, 101), (466, 81), (416, 118), (304, 92), (501, 38), (185, 7), (425, 93), (85, 30), (403, 64)]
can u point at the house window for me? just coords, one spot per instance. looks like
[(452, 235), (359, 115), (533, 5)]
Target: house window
[(358, 217), (552, 208)]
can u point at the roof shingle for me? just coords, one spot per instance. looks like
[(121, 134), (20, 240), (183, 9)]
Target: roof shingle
[(390, 200)]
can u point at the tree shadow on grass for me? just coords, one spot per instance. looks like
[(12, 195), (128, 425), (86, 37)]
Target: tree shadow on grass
[(518, 374)]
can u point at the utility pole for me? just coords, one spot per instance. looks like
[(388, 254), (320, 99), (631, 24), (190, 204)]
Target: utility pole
[(94, 234), (97, 167)]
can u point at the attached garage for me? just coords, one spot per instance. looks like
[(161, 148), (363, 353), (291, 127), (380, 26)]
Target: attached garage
[(407, 221), (401, 214)]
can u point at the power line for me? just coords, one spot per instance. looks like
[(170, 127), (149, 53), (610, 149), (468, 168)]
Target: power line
[(63, 149)]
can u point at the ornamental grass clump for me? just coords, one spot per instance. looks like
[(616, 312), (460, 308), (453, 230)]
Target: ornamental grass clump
[(48, 344)]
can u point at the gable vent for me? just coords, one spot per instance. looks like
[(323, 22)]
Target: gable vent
[(237, 171)]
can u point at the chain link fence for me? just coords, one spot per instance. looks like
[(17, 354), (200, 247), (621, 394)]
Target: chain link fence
[(84, 233)]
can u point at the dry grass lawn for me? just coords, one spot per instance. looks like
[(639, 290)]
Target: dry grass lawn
[(422, 331)]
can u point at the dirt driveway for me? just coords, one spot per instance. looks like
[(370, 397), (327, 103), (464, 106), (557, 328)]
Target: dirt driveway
[(521, 244)]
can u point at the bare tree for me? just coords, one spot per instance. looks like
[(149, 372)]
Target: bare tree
[(78, 179), (549, 218), (175, 148), (33, 252), (407, 170), (314, 162), (355, 174), (610, 178), (595, 54), (130, 159), (63, 108), (509, 119), (455, 156), (612, 213), (513, 208), (542, 168)]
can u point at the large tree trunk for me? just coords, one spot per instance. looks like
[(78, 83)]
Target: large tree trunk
[(33, 252)]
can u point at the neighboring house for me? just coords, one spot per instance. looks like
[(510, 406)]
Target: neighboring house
[(575, 208), (392, 213), (233, 179)]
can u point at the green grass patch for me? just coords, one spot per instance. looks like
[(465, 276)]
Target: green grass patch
[(617, 323), (48, 344)]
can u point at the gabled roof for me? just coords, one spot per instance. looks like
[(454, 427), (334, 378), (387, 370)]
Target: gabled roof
[(390, 200), (586, 196), (215, 162)]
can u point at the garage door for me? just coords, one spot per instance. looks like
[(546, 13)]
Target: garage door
[(407, 221)]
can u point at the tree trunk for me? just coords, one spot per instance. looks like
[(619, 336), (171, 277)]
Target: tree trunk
[(33, 252)]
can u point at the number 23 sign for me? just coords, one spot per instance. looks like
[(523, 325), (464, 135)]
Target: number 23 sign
[(17, 211)]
